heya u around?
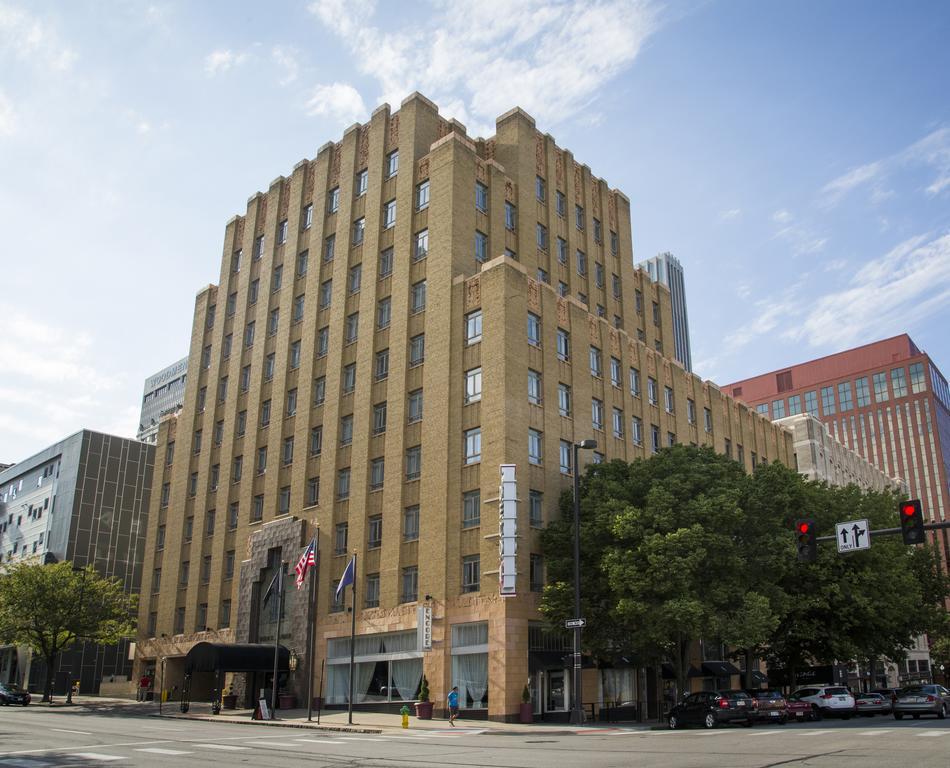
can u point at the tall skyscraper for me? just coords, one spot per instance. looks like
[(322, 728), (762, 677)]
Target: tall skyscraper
[(164, 394), (887, 401), (402, 316), (83, 499), (665, 268)]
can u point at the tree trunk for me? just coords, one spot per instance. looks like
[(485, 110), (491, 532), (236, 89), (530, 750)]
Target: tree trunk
[(50, 672), (748, 668)]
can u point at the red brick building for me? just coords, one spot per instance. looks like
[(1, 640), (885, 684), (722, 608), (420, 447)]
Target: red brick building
[(887, 401)]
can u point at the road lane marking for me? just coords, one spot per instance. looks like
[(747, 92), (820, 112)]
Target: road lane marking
[(814, 733), (874, 733), (764, 733), (362, 738), (321, 741), (933, 733), (66, 730), (96, 756), (229, 747), (160, 751)]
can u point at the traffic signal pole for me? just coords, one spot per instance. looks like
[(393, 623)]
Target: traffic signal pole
[(892, 531)]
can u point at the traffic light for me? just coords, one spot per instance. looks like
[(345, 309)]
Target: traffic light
[(912, 522), (807, 543)]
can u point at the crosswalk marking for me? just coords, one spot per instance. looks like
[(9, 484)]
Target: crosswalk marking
[(933, 733), (814, 733), (160, 751), (270, 743), (66, 730), (765, 733), (363, 738), (229, 747), (874, 733), (321, 741), (96, 756)]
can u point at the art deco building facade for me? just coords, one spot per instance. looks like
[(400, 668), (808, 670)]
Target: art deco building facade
[(402, 315)]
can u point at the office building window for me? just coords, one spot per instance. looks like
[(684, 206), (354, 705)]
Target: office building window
[(307, 216), (707, 420), (562, 289), (655, 438), (618, 423), (343, 483), (288, 450), (196, 442), (540, 189), (471, 573), (535, 446), (294, 355), (383, 312), (778, 409), (534, 329), (511, 216), (183, 573), (560, 203), (392, 163), (579, 217), (918, 383), (536, 573), (359, 230), (348, 379), (535, 508), (389, 214), (236, 261), (651, 390), (385, 263), (898, 382), (473, 385), (636, 430), (375, 540), (326, 293), (473, 327), (863, 392), (224, 618), (581, 259), (534, 387), (233, 515), (794, 405), (362, 183), (471, 509), (422, 195), (355, 279), (827, 400), (596, 366), (417, 296), (333, 200), (329, 248), (381, 368), (316, 440), (410, 523), (414, 462), (421, 249), (319, 390), (598, 231), (352, 327), (481, 197), (563, 344), (377, 473), (566, 457), (313, 491), (880, 387), (282, 232), (417, 349), (615, 372), (668, 399), (564, 399), (372, 590), (410, 584), (341, 534), (265, 413), (844, 396), (278, 278), (346, 429), (481, 247), (472, 445), (180, 620), (414, 407), (597, 413), (379, 418), (253, 291)]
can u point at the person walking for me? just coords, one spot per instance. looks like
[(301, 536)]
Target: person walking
[(144, 683), (453, 701)]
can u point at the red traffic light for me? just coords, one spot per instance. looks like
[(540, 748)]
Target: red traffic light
[(908, 509), (804, 527)]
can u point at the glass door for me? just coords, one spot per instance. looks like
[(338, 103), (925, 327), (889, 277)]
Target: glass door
[(556, 692)]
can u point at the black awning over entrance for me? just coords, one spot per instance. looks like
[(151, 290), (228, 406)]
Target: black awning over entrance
[(719, 668), (759, 678), (236, 657)]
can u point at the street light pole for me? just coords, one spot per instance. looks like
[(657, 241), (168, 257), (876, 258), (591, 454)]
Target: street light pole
[(577, 706)]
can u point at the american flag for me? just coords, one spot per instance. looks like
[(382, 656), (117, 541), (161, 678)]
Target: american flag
[(308, 558)]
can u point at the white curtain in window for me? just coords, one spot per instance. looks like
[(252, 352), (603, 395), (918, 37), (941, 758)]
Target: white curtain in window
[(338, 683), (400, 641), (364, 676), (406, 676), (470, 674), (367, 645), (464, 635), (618, 685)]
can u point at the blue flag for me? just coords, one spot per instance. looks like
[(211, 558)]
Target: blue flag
[(347, 578)]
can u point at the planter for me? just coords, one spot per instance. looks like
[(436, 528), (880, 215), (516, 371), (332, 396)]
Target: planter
[(286, 701), (526, 712), (229, 701), (424, 710)]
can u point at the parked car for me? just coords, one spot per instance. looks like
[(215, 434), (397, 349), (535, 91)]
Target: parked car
[(712, 708), (918, 700), (799, 708), (829, 701), (11, 693), (870, 704), (770, 705), (887, 693)]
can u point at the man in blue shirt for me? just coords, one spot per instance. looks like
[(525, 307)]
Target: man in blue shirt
[(453, 698)]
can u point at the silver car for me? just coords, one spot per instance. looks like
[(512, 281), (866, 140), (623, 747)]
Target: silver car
[(920, 700)]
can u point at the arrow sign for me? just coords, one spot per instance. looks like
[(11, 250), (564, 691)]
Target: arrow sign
[(852, 535), (575, 623)]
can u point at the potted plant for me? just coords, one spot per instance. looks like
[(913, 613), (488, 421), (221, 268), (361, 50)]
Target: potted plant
[(526, 712), (424, 706)]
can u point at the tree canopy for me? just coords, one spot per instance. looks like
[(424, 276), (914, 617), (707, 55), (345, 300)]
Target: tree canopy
[(685, 545), (51, 607)]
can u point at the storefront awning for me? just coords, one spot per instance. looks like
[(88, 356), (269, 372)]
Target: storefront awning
[(759, 678), (236, 657), (719, 668)]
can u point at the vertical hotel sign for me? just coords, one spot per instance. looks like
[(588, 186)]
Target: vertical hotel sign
[(424, 628), (507, 530)]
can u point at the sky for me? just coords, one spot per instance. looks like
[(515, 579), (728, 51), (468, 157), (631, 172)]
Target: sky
[(795, 156)]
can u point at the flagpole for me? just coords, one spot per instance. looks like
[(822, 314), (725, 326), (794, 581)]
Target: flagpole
[(312, 625), (352, 645), (280, 610)]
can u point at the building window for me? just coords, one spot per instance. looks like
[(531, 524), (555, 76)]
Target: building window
[(392, 163), (197, 441), (827, 400), (634, 382), (389, 214), (543, 276), (417, 350), (249, 334), (727, 447), (261, 462), (618, 423), (655, 438), (614, 243), (540, 189), (671, 441), (308, 216), (269, 365), (333, 200), (562, 289), (560, 203), (241, 423), (471, 509), (253, 291), (362, 182), (343, 483), (326, 293), (707, 420), (668, 399), (898, 382), (421, 249), (534, 387), (319, 390), (579, 217), (313, 491), (372, 590), (481, 197), (581, 259), (471, 573), (615, 375), (414, 462), (566, 457), (636, 430), (352, 327), (282, 232), (385, 263), (355, 278), (183, 573), (341, 534), (278, 278), (329, 248), (473, 385), (535, 508), (534, 329), (381, 368), (417, 296), (229, 564), (863, 391), (209, 318), (414, 408), (288, 450), (236, 260), (316, 440), (201, 617), (346, 429), (564, 399), (410, 584), (535, 446), (844, 396), (359, 230), (375, 532), (511, 216), (206, 569), (233, 515), (596, 366), (410, 523), (597, 413), (778, 409), (383, 312), (473, 445), (598, 232), (563, 344), (226, 346), (203, 393), (265, 413), (918, 383), (160, 538), (481, 247), (379, 418), (180, 620), (811, 403), (762, 409), (422, 195), (794, 405), (156, 581), (377, 473), (224, 619), (651, 390), (536, 573), (473, 327), (880, 387)]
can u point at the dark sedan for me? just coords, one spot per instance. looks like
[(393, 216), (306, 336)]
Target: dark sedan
[(11, 693), (712, 708), (920, 700)]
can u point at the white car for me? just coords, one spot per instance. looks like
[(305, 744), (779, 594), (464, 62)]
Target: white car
[(829, 700)]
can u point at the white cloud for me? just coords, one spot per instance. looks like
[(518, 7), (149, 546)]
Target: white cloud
[(8, 117), (220, 61), (30, 38), (338, 101), (800, 237), (484, 56), (732, 213), (287, 59), (781, 217)]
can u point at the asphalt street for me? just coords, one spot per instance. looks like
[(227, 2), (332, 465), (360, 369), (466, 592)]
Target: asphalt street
[(36, 737)]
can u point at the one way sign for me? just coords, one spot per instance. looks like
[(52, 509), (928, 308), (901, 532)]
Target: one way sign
[(852, 535)]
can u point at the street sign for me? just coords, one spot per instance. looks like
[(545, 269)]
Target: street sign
[(575, 623), (852, 536)]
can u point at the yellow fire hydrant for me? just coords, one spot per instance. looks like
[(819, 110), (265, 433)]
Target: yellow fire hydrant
[(405, 716)]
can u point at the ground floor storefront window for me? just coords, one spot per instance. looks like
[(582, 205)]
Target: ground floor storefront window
[(470, 664), (387, 668)]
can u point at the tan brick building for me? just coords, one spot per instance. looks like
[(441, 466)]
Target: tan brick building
[(395, 320)]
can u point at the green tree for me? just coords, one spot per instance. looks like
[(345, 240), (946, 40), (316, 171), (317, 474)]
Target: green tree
[(51, 607)]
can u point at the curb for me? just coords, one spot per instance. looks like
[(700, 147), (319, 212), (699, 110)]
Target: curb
[(276, 723)]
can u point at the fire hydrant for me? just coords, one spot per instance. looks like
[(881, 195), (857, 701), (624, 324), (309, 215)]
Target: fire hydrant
[(405, 716)]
